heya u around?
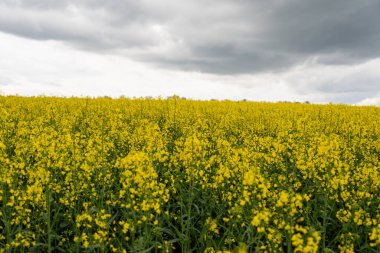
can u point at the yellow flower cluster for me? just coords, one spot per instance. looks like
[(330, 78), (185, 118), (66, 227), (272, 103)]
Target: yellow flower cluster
[(168, 175)]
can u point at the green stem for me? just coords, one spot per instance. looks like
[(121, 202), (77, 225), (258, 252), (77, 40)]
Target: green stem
[(289, 243), (6, 220), (48, 220), (324, 226)]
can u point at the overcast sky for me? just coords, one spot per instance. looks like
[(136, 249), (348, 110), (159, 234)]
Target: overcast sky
[(271, 50)]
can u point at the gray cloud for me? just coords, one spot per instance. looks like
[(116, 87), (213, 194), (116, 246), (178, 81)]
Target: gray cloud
[(223, 37), (225, 60), (337, 83)]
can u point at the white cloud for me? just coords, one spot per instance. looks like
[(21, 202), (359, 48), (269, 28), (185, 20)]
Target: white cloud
[(30, 67), (370, 101), (335, 83), (50, 68)]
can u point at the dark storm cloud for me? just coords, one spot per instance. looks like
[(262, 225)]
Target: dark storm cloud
[(227, 61), (345, 29), (224, 37)]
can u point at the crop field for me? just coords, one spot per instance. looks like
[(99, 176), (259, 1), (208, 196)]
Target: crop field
[(173, 175)]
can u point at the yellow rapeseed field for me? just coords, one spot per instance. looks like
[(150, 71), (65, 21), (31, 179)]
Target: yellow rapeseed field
[(172, 175)]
